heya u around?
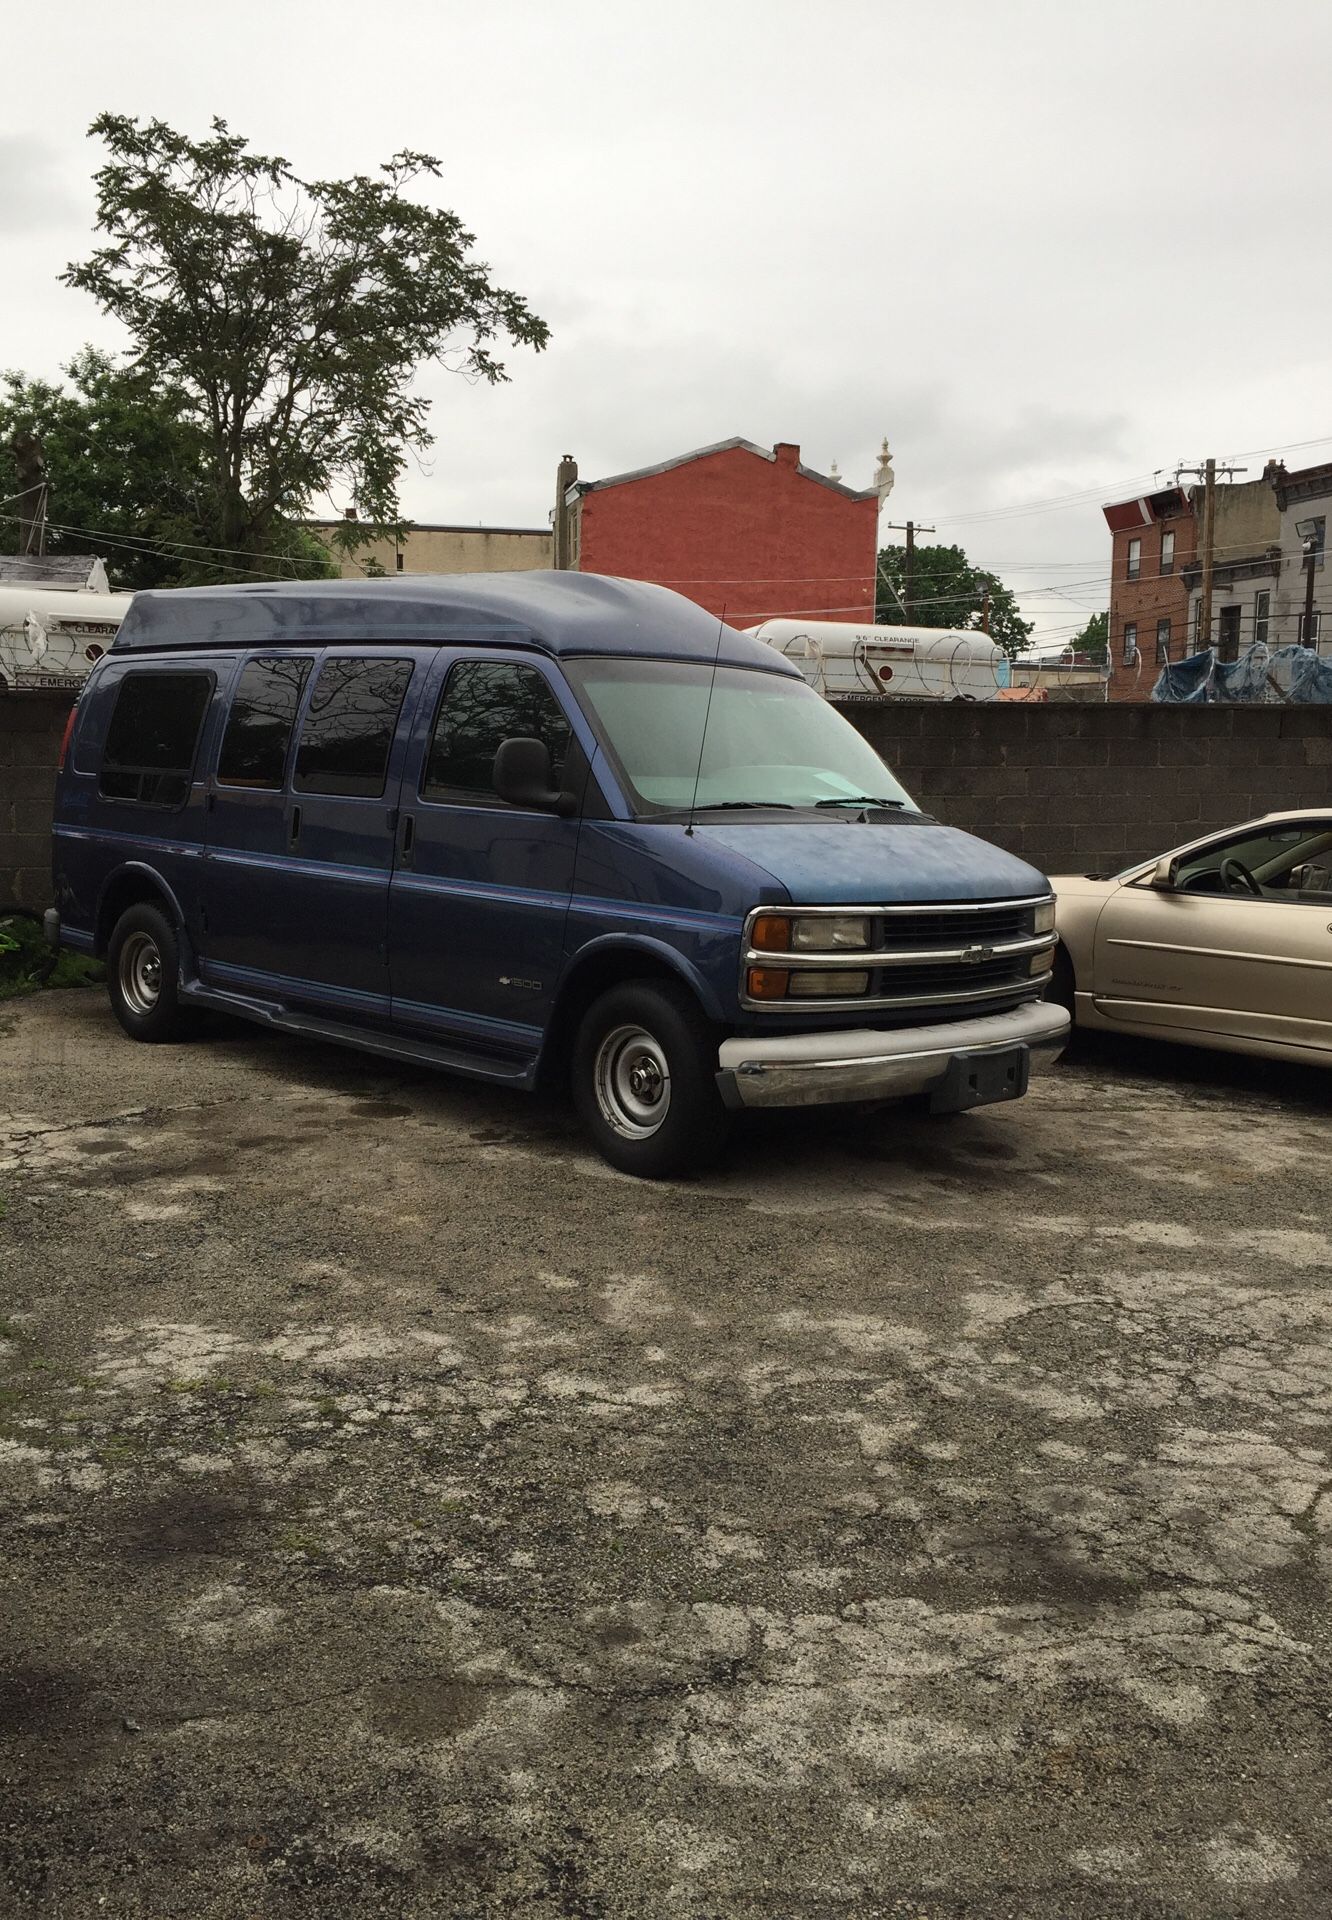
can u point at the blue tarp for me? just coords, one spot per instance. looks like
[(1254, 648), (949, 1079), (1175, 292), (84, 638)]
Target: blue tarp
[(1268, 676)]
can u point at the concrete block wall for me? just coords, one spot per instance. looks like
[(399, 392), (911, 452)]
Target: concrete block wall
[(31, 726), (1092, 789)]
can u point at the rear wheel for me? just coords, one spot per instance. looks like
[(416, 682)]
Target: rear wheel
[(143, 976), (644, 1081)]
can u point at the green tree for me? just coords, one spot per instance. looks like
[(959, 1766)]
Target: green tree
[(1094, 638), (291, 316), (947, 591), (125, 467)]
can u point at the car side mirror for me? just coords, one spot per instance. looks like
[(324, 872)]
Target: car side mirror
[(1166, 874), (524, 777)]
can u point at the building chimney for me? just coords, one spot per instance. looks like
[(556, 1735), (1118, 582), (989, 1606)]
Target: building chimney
[(565, 476), (788, 454)]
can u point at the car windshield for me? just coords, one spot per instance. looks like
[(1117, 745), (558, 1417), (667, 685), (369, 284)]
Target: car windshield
[(770, 740)]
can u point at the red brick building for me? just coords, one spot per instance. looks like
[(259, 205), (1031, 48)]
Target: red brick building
[(1154, 539), (744, 530)]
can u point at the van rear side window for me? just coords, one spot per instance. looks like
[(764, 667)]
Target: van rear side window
[(349, 727), (263, 713), (153, 736)]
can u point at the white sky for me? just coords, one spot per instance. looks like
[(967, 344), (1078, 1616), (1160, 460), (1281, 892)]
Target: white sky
[(1047, 246)]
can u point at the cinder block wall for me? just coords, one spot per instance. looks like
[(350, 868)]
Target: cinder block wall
[(31, 726), (1092, 789)]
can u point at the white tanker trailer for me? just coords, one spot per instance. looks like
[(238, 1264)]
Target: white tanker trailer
[(50, 636), (895, 663)]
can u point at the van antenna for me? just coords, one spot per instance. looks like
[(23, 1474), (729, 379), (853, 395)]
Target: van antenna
[(703, 738)]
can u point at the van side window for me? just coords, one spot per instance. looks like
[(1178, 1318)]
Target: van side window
[(152, 738), (484, 703), (349, 727), (263, 713)]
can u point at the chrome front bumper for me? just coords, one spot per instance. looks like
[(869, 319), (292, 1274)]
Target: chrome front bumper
[(822, 1069)]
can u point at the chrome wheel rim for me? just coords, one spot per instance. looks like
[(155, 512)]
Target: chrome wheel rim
[(140, 973), (633, 1082)]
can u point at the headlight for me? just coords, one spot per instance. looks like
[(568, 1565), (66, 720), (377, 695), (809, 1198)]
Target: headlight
[(831, 933), (1045, 918), (826, 933)]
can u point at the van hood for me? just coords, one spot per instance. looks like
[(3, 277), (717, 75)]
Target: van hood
[(864, 863)]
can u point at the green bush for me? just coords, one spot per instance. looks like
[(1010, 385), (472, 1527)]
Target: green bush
[(27, 963)]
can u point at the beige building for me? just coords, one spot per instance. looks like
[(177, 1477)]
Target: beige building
[(430, 548)]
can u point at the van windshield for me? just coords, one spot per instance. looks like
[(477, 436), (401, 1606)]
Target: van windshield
[(771, 740)]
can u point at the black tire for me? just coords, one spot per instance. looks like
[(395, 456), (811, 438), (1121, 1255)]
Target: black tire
[(1062, 987), (640, 1046), (143, 976)]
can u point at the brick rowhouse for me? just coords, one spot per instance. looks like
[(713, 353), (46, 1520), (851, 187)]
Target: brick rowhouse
[(1154, 538), (743, 530)]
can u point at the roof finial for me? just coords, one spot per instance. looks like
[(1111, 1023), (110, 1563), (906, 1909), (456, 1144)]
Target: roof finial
[(884, 476)]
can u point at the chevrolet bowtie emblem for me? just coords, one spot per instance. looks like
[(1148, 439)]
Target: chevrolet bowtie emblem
[(974, 955)]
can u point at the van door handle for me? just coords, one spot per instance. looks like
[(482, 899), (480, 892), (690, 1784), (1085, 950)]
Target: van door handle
[(295, 839), (408, 839)]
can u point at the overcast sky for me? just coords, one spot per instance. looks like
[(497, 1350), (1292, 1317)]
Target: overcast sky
[(1047, 248)]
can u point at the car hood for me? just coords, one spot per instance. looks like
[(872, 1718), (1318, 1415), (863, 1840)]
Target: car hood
[(1083, 886), (868, 862)]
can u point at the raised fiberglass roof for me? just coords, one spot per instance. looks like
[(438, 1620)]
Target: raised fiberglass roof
[(562, 613)]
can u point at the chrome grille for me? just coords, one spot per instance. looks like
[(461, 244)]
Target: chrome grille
[(925, 929), (944, 957)]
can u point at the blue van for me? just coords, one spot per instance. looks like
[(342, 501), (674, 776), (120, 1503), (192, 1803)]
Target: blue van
[(536, 825)]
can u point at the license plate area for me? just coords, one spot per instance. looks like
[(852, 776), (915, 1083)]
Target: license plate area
[(981, 1079)]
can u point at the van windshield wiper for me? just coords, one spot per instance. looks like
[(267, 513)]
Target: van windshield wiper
[(723, 806), (863, 800)]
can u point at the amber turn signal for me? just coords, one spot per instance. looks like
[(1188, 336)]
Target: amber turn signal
[(767, 983), (772, 933)]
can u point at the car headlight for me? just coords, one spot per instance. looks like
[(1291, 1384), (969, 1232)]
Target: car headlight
[(1044, 919), (822, 933), (830, 933)]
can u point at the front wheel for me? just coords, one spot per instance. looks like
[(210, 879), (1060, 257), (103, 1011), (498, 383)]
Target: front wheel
[(143, 976), (644, 1081), (1062, 987)]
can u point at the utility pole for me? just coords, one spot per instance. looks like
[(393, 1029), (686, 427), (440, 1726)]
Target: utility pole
[(1207, 474), (1209, 549), (910, 529), (985, 605)]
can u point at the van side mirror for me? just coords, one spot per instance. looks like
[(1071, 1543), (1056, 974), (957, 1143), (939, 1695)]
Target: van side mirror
[(524, 777), (1166, 874)]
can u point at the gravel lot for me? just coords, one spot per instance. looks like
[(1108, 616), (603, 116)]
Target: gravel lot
[(405, 1514)]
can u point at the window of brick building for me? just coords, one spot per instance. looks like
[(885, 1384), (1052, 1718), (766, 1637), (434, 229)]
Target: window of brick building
[(1134, 559), (1130, 643), (1163, 643), (1168, 550)]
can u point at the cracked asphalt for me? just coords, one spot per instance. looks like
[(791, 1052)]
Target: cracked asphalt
[(405, 1514)]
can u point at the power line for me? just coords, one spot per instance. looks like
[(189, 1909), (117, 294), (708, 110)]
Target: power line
[(161, 548)]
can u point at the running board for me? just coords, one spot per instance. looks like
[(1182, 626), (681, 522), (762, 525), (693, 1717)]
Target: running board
[(389, 1046)]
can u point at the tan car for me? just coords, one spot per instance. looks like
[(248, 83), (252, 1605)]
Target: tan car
[(1224, 943)]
